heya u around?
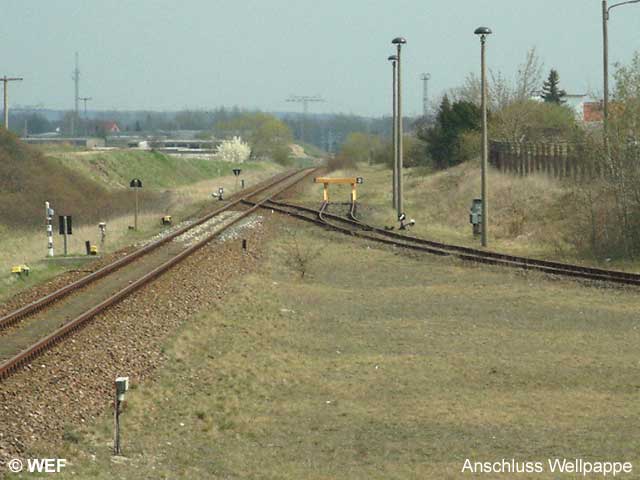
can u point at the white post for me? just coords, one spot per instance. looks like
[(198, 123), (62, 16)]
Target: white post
[(48, 216)]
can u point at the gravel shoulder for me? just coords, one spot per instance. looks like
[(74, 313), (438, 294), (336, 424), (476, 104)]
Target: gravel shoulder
[(73, 383)]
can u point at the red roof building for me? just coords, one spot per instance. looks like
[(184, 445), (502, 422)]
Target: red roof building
[(593, 112), (111, 127)]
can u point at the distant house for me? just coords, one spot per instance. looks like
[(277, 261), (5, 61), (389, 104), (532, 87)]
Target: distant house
[(111, 127), (574, 101), (592, 112)]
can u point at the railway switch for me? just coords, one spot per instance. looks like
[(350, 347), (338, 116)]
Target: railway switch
[(93, 250), (166, 220), (475, 216)]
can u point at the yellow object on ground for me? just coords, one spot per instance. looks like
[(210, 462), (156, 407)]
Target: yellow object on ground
[(353, 181)]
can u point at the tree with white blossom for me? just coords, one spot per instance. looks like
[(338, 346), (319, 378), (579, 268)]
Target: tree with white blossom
[(233, 150)]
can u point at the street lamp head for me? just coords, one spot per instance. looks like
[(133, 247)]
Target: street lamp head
[(483, 31), (393, 58), (398, 41)]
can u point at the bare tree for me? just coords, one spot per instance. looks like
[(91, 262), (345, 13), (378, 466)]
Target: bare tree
[(529, 78), (501, 91), (299, 255)]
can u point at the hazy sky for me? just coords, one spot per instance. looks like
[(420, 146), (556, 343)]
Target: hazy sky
[(161, 54)]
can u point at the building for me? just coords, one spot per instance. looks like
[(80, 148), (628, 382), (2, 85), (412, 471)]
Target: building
[(585, 108), (592, 112), (111, 127), (75, 142)]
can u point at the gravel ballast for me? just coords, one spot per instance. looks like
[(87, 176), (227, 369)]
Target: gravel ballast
[(73, 383)]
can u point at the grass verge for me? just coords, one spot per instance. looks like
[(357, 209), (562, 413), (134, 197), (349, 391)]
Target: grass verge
[(380, 365)]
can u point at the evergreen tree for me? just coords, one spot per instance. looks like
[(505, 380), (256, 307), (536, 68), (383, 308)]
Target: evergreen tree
[(550, 91), (452, 121)]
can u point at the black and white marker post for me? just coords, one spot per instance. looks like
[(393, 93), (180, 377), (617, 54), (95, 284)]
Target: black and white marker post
[(48, 212)]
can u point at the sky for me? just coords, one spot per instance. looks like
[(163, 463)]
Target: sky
[(203, 54)]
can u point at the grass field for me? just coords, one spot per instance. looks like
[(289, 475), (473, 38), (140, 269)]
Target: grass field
[(178, 187), (379, 365), (116, 168)]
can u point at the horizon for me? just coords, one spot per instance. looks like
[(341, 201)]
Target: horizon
[(154, 56)]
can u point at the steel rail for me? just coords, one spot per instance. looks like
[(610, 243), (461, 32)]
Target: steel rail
[(439, 248), (17, 315), (11, 365)]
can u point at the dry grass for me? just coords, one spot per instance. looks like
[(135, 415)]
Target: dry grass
[(533, 216), (381, 366), (30, 247)]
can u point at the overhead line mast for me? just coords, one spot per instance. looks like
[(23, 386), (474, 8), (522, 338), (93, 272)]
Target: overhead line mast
[(305, 100), (425, 93), (76, 98), (6, 81)]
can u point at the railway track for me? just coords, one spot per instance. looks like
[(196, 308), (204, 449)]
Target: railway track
[(29, 331), (350, 225)]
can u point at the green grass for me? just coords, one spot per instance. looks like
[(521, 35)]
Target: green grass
[(380, 366), (158, 171), (93, 187)]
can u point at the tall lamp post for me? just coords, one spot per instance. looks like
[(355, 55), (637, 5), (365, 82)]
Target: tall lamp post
[(605, 57), (398, 42), (483, 32), (393, 59)]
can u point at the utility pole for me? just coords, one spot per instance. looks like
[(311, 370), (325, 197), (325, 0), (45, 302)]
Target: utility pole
[(304, 100), (6, 81), (425, 93), (76, 97), (86, 127)]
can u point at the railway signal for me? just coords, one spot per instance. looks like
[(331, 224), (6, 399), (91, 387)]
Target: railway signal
[(136, 184), (236, 173), (65, 228)]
